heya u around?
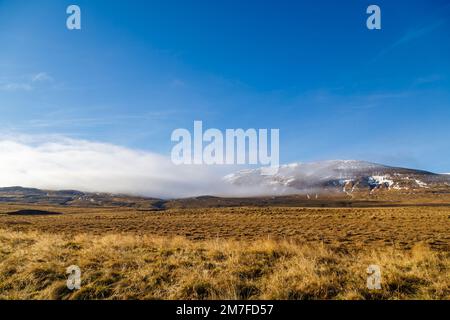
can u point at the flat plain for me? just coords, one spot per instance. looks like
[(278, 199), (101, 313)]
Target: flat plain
[(225, 253)]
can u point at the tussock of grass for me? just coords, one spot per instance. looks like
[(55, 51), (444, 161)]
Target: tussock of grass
[(33, 265)]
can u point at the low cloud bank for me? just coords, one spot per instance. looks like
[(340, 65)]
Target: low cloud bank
[(57, 163)]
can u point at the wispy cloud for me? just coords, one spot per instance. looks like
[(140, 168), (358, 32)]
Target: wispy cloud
[(24, 83), (57, 120), (417, 33), (176, 83), (410, 36), (12, 86), (41, 77), (428, 79)]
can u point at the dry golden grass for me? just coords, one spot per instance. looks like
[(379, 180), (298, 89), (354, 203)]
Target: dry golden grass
[(340, 227), (225, 253), (129, 266)]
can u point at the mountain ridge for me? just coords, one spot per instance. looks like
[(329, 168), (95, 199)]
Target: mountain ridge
[(313, 183), (332, 175)]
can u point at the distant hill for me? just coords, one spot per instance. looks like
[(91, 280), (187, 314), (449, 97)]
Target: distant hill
[(74, 198), (337, 183), (347, 176)]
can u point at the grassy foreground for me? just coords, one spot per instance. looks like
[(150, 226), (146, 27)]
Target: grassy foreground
[(33, 265)]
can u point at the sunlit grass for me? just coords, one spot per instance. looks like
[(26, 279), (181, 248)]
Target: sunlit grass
[(119, 266)]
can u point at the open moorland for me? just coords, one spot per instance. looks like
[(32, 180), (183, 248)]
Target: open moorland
[(401, 227), (225, 253)]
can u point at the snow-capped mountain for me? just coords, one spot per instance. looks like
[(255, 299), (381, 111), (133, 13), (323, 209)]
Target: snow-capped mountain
[(337, 175)]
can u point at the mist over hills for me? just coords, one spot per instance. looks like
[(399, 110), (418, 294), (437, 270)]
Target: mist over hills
[(315, 182), (338, 176)]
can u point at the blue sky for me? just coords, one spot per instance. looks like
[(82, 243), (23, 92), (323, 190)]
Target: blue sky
[(140, 69)]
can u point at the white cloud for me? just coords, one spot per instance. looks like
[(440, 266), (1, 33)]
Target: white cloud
[(428, 79), (15, 87), (24, 83), (55, 162), (40, 77), (411, 36)]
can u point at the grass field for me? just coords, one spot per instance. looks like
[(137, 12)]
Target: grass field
[(226, 253)]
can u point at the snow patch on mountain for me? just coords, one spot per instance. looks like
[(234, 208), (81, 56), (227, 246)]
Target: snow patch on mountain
[(377, 181), (345, 176), (421, 183)]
